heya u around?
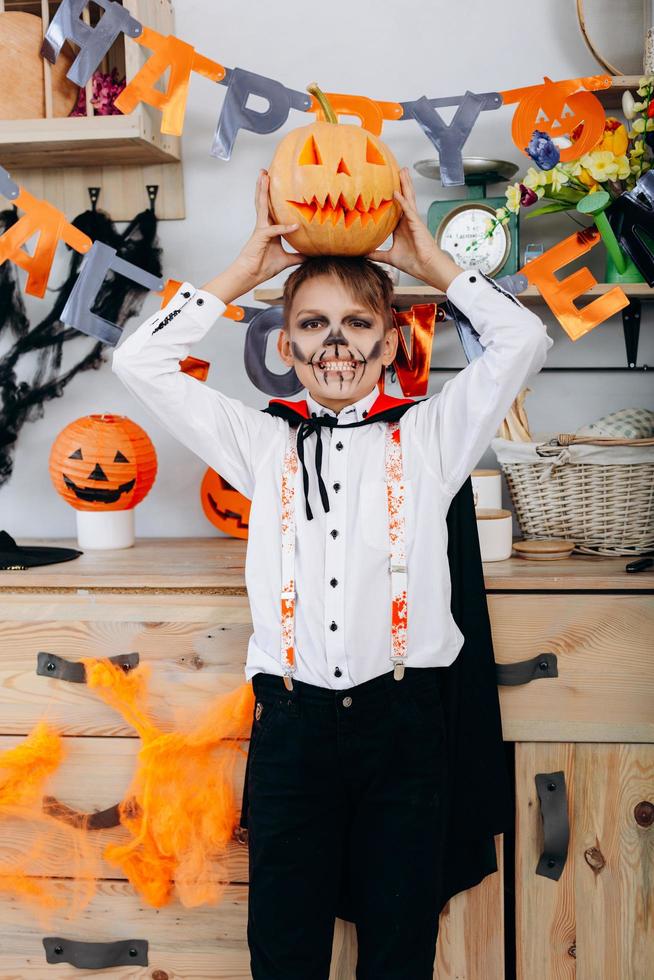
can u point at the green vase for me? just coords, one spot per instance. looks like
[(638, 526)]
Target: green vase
[(630, 274)]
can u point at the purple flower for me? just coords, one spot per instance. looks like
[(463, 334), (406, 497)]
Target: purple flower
[(542, 150), (527, 196)]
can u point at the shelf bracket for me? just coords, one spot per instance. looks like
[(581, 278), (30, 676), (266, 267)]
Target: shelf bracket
[(631, 327)]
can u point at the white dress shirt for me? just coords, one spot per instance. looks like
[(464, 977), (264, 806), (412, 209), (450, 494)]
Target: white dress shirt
[(343, 608)]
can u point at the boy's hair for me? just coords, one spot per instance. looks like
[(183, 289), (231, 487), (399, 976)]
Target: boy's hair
[(365, 279)]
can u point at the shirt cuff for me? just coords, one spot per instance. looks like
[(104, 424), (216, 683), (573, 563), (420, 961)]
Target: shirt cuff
[(468, 286), (202, 307)]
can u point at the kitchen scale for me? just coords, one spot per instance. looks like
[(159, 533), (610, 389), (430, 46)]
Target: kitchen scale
[(455, 224)]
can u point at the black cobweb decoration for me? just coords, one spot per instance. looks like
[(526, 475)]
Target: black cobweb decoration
[(118, 300)]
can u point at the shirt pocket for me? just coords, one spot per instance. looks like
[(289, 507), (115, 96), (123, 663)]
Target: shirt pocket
[(373, 513)]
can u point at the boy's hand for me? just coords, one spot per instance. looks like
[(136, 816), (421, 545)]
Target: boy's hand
[(262, 256), (414, 251)]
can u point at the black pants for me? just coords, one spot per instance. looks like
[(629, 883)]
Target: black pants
[(346, 782)]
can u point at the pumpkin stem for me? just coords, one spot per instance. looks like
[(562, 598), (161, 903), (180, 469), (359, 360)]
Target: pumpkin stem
[(325, 104)]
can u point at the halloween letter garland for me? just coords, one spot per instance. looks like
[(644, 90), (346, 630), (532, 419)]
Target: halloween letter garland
[(543, 106)]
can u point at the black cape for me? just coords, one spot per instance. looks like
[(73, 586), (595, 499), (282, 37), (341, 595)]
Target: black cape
[(479, 801)]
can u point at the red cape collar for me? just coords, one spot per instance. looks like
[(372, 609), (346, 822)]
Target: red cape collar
[(381, 404)]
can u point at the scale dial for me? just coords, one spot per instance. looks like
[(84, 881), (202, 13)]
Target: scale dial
[(461, 226)]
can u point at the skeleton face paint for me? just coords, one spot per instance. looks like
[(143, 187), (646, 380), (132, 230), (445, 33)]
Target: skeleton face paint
[(338, 346)]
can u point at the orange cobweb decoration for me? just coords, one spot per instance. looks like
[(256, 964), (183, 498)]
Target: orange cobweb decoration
[(180, 809), (26, 828)]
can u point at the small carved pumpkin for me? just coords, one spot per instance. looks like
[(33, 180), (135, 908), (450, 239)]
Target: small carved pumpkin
[(224, 507), (103, 462), (552, 110), (338, 181)]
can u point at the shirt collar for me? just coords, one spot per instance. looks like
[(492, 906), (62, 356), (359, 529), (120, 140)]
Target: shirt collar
[(351, 413)]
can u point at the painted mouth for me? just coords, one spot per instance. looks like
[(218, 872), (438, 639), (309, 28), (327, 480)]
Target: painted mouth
[(226, 514), (343, 209), (341, 365), (96, 494)]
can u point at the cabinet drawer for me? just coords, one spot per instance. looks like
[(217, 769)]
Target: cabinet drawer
[(603, 645), (196, 646)]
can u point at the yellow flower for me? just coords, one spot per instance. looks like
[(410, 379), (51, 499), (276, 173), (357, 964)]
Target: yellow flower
[(638, 126), (586, 179), (572, 167), (559, 178), (600, 164), (622, 164), (614, 141), (513, 197), (534, 178)]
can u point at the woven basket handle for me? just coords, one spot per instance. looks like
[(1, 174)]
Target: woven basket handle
[(568, 439)]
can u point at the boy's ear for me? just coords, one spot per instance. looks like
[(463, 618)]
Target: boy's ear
[(390, 345), (284, 347)]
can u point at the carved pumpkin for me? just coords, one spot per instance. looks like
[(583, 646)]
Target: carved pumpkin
[(103, 462), (225, 507), (551, 110), (338, 181)]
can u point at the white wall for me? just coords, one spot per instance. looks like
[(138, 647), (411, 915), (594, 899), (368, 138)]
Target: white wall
[(384, 51)]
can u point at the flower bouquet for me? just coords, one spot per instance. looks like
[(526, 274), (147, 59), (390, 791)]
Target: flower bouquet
[(613, 166)]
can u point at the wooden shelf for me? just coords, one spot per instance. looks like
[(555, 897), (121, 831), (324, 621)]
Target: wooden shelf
[(428, 294), (86, 141), (611, 98)]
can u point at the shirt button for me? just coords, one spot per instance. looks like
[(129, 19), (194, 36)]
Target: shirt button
[(337, 487), (472, 279), (200, 301), (333, 582), (347, 702), (339, 445), (334, 533), (337, 672), (333, 626), (186, 295)]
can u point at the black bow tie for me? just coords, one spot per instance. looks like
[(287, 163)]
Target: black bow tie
[(304, 430)]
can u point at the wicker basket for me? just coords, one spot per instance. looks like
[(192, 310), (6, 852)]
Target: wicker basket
[(598, 493)]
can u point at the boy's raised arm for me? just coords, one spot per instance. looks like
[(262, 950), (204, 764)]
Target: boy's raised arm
[(227, 434), (222, 431), (457, 425)]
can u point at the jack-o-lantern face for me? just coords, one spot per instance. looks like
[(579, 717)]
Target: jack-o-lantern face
[(103, 462), (552, 111), (338, 181), (223, 506)]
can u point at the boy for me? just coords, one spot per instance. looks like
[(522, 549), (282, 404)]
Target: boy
[(346, 760)]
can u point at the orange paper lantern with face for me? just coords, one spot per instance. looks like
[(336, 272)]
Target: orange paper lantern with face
[(337, 181), (225, 507), (103, 462)]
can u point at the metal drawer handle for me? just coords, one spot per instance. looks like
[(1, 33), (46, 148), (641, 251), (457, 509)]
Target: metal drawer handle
[(95, 820), (96, 956), (556, 828), (50, 665), (524, 671)]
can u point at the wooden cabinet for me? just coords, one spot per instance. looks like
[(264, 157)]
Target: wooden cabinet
[(181, 604)]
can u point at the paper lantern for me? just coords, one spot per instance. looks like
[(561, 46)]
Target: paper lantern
[(103, 462), (338, 181), (103, 466), (224, 507)]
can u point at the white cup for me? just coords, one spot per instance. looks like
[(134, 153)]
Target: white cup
[(487, 488), (495, 530)]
